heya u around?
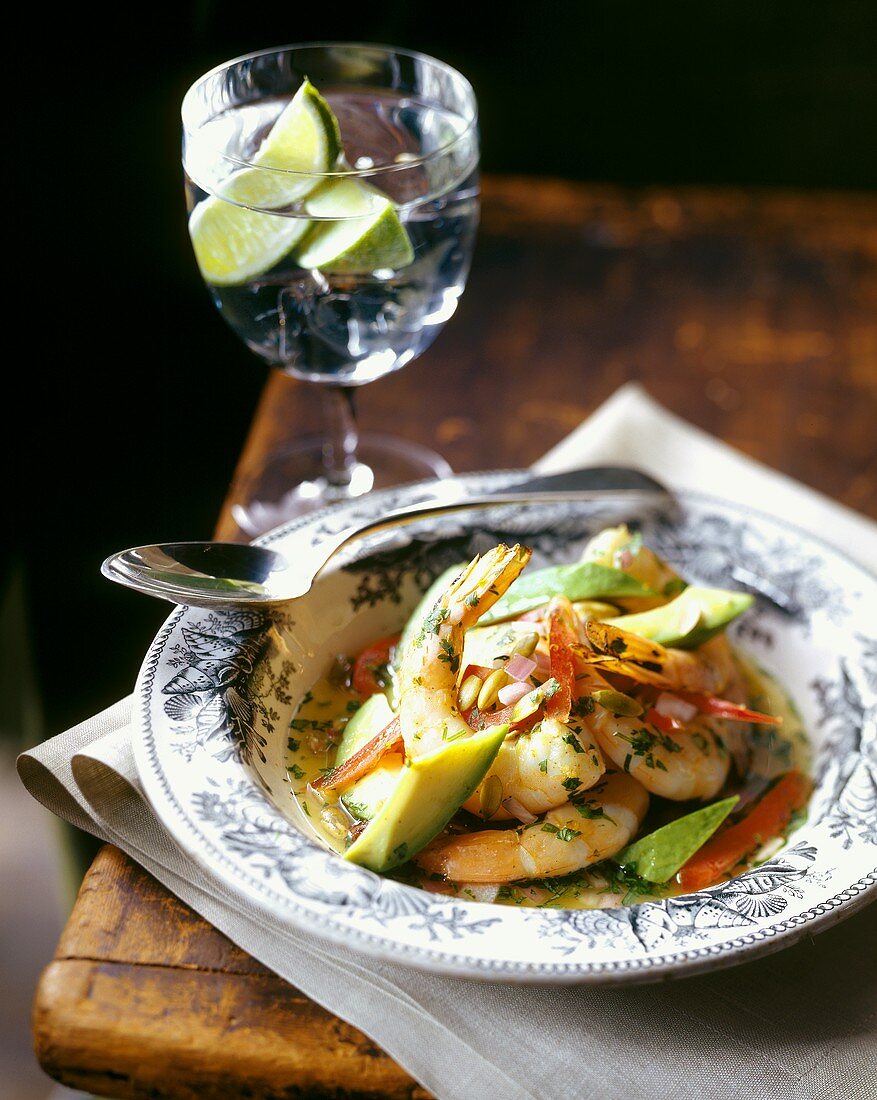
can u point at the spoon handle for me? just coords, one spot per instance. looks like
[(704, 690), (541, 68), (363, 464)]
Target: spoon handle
[(401, 517)]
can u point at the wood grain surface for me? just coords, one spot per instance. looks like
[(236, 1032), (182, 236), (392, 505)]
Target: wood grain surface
[(752, 315)]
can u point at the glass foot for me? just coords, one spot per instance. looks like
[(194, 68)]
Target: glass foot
[(293, 481)]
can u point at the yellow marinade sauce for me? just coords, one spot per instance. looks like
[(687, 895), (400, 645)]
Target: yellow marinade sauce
[(326, 708)]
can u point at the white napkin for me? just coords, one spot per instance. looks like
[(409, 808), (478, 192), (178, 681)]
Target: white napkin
[(797, 1025)]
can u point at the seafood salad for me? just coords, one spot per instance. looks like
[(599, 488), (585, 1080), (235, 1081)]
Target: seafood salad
[(581, 735)]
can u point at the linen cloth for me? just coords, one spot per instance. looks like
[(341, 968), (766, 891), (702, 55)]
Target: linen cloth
[(797, 1025)]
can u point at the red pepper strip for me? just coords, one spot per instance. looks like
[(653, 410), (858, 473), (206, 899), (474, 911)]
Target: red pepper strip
[(561, 640), (724, 708), (664, 722), (480, 670), (767, 819), (364, 678), (483, 719), (364, 759)]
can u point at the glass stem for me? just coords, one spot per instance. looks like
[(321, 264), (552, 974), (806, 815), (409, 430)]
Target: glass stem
[(342, 436)]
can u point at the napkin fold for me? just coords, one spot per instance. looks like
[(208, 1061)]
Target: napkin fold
[(797, 1025)]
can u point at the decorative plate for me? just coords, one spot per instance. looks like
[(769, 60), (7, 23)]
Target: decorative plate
[(217, 692)]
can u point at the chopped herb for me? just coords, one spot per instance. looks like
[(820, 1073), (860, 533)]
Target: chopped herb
[(627, 880), (564, 834), (471, 600), (698, 738), (572, 784), (572, 740), (401, 851), (643, 743), (590, 809), (308, 698), (509, 893), (448, 656), (302, 724), (306, 808), (543, 766), (295, 771), (292, 745), (583, 706), (358, 809), (434, 620)]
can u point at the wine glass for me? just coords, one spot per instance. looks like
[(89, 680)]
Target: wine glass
[(332, 194)]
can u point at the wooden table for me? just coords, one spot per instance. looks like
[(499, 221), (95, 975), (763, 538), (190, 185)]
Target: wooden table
[(752, 315)]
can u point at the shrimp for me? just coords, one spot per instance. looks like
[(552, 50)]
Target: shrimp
[(428, 710), (690, 763), (706, 670), (572, 836), (539, 770)]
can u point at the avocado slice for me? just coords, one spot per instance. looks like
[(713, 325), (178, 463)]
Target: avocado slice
[(429, 791), (582, 581), (366, 796), (659, 855), (374, 715), (689, 620)]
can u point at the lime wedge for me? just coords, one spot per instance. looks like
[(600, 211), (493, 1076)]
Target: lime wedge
[(358, 232), (304, 138), (234, 244)]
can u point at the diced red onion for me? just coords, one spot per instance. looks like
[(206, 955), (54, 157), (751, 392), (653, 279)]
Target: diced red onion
[(480, 891), (509, 694), (517, 810), (543, 662), (673, 707), (625, 558), (520, 667)]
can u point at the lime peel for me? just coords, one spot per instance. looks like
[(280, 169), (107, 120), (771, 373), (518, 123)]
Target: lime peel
[(357, 231), (305, 141)]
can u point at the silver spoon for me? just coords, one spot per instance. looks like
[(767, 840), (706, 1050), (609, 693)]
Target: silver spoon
[(229, 574)]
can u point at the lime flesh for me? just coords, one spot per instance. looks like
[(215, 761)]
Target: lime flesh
[(357, 232), (233, 245), (304, 139)]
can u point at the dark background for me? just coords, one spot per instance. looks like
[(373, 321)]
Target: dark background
[(127, 398)]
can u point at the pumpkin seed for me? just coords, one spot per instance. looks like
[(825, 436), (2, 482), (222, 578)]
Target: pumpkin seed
[(468, 693), (490, 796)]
